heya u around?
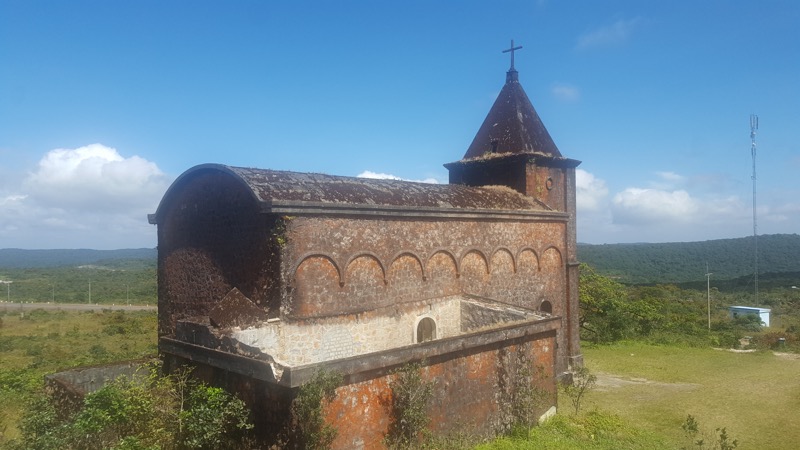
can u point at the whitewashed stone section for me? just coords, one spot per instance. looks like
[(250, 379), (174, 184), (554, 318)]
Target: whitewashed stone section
[(299, 344)]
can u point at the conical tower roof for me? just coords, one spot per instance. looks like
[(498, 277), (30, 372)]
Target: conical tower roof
[(512, 125)]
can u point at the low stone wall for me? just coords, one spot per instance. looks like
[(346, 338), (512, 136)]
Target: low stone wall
[(473, 374), (68, 388), (477, 315)]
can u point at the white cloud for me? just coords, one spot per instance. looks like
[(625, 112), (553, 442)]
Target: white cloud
[(94, 177), (672, 207), (387, 176), (614, 34), (643, 206), (591, 192), (566, 92), (90, 197)]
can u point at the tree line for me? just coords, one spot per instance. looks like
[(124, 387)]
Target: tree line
[(124, 281), (684, 262)]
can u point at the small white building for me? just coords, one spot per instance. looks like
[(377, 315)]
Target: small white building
[(736, 311)]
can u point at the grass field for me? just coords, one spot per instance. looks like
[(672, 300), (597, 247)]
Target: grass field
[(40, 342), (756, 396), (643, 395)]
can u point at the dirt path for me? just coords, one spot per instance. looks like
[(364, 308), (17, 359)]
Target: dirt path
[(71, 307), (608, 381)]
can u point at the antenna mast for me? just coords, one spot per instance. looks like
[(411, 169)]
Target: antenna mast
[(753, 128)]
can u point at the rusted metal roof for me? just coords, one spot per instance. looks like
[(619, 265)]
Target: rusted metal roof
[(512, 126), (274, 185), (277, 189)]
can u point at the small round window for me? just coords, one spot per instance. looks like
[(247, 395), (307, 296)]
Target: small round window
[(546, 307)]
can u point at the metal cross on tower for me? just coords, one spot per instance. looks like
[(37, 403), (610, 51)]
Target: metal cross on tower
[(512, 49)]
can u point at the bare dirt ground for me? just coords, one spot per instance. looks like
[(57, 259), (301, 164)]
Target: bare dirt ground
[(72, 307), (608, 381)]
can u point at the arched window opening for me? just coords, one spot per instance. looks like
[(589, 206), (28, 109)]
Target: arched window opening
[(546, 307), (426, 330)]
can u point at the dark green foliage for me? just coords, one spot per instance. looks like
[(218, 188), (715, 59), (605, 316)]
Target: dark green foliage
[(606, 313), (213, 419), (661, 314), (680, 262), (144, 412), (19, 380), (40, 427), (409, 408), (308, 429)]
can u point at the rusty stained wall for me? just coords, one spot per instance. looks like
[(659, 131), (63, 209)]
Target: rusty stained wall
[(336, 266), (361, 411), (213, 238), (547, 184)]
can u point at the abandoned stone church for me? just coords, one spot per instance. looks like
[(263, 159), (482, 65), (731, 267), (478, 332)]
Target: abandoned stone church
[(266, 277)]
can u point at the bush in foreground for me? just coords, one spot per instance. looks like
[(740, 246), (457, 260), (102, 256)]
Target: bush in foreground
[(146, 412)]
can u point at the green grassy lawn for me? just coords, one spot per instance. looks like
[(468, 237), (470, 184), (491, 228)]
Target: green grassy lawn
[(756, 396)]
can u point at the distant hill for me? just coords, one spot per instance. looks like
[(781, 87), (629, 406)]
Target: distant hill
[(684, 262), (673, 262), (14, 258)]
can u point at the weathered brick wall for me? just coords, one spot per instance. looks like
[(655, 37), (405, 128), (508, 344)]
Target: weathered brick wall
[(547, 184), (471, 391), (346, 265), (213, 238)]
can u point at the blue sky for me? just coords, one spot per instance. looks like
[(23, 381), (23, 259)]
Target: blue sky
[(103, 104)]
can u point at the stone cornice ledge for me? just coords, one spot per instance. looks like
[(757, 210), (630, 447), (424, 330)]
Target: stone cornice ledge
[(345, 209), (363, 366)]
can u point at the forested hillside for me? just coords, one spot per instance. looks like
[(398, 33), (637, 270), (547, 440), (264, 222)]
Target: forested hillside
[(14, 258), (117, 274), (79, 276), (680, 262)]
